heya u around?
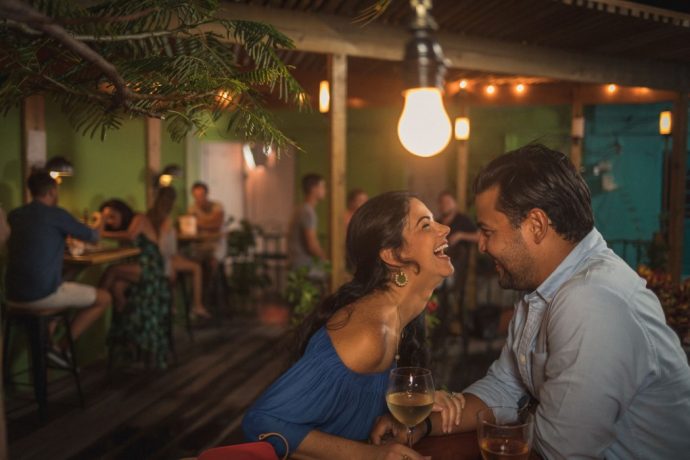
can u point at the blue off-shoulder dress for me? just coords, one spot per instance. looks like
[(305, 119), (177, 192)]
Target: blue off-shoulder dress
[(318, 393)]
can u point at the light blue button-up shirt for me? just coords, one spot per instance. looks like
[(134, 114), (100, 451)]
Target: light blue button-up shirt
[(591, 344)]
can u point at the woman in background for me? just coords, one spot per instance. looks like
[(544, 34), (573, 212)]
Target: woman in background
[(159, 216), (139, 288)]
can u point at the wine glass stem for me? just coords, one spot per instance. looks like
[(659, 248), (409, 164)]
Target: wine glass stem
[(409, 436)]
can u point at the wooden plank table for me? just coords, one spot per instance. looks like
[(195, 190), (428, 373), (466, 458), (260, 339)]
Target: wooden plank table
[(200, 237), (101, 256), (456, 446)]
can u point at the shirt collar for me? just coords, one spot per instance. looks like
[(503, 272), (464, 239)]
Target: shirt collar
[(590, 244)]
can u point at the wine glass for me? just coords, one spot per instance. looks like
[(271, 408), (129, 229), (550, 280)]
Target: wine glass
[(504, 433), (410, 396)]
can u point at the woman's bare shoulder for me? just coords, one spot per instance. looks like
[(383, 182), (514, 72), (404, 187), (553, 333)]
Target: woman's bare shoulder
[(362, 342)]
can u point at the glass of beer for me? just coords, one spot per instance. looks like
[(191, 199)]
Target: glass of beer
[(410, 396), (504, 433)]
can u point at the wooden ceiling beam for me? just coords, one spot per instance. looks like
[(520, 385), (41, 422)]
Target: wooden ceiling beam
[(320, 33)]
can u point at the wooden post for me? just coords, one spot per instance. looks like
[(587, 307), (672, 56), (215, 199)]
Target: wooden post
[(337, 68), (575, 136), (678, 168), (33, 138), (153, 157)]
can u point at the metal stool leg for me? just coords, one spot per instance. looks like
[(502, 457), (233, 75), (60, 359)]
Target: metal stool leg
[(73, 364), (6, 352), (185, 299), (37, 330)]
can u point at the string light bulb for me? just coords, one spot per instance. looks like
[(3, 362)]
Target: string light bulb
[(520, 88), (463, 84), (490, 90), (611, 88)]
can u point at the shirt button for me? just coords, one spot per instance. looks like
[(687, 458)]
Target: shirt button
[(523, 359)]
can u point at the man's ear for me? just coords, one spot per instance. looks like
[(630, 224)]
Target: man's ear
[(388, 257), (538, 224)]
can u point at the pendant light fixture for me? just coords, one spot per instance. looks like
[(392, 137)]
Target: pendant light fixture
[(424, 127)]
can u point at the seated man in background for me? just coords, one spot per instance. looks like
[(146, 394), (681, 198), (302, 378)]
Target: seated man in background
[(209, 219), (36, 249)]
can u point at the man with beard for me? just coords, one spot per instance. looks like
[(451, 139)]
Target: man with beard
[(588, 345)]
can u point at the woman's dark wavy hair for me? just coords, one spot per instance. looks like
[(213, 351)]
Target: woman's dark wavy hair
[(535, 176), (124, 210), (377, 225)]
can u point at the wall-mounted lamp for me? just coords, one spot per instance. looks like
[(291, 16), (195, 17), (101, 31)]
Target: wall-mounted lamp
[(665, 123), (424, 127), (324, 96), (169, 173), (59, 167), (462, 128)]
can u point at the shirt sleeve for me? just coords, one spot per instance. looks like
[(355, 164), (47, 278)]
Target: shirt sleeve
[(502, 385), (72, 227), (307, 219), (598, 357)]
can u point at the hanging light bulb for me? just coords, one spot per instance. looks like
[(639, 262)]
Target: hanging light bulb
[(424, 127), (324, 96), (490, 90), (463, 84)]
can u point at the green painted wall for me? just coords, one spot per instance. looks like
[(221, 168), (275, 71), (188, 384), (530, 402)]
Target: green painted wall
[(10, 160)]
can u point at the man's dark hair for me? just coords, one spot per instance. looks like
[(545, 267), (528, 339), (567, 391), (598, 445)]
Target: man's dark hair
[(200, 184), (309, 181), (40, 183), (535, 176)]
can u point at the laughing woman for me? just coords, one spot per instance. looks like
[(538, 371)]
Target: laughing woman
[(326, 404)]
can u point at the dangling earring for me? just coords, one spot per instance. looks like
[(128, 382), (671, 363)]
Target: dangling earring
[(400, 278)]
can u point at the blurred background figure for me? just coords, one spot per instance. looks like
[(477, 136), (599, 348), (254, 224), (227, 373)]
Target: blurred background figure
[(303, 241), (210, 217), (355, 198), (175, 263), (139, 288), (463, 233), (4, 228), (36, 248)]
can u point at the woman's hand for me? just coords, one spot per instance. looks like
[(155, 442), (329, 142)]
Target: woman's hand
[(387, 429), (450, 405)]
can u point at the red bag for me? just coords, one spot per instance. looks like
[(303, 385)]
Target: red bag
[(261, 450)]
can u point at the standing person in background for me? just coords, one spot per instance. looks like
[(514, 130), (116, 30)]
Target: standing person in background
[(159, 215), (303, 243), (210, 216), (463, 233), (356, 198), (36, 249)]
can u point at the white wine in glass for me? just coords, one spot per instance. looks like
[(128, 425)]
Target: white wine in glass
[(504, 433), (410, 396)]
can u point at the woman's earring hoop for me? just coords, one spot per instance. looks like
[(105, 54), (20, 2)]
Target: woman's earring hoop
[(400, 279)]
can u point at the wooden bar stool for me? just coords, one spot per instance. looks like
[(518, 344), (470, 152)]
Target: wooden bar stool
[(36, 322)]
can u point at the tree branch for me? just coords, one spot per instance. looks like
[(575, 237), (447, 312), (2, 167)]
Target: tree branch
[(21, 12), (24, 28)]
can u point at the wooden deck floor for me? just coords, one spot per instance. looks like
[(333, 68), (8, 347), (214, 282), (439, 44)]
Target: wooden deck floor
[(143, 414), (196, 404)]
